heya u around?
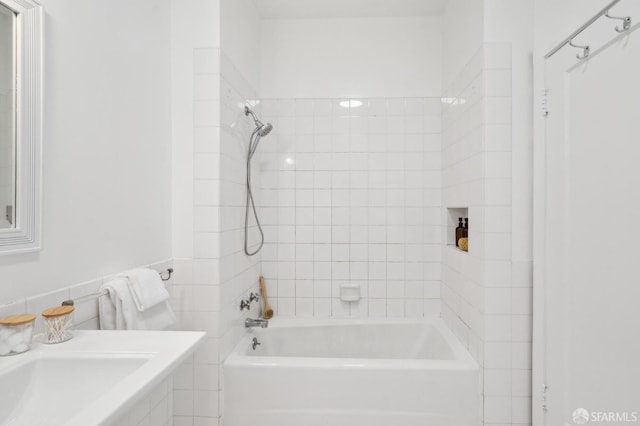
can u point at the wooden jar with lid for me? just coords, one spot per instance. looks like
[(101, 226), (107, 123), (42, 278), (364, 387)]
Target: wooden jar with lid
[(16, 334), (58, 322)]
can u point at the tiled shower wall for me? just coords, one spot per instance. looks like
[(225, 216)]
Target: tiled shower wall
[(462, 135), (209, 287), (351, 193), (486, 296), (196, 290), (238, 272)]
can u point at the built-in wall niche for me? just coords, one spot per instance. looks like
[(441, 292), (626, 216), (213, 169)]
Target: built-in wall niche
[(453, 218)]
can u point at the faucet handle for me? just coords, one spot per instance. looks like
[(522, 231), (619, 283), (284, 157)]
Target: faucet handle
[(245, 304)]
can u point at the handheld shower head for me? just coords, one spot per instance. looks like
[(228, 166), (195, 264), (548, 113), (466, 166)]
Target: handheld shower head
[(261, 128), (260, 131), (265, 129)]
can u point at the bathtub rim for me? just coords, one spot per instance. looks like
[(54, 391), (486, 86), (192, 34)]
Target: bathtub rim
[(462, 359)]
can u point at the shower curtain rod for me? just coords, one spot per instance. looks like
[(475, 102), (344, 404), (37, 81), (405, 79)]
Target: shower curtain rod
[(567, 40)]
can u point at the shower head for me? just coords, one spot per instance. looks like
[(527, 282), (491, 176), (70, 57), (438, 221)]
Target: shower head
[(264, 129), (261, 128)]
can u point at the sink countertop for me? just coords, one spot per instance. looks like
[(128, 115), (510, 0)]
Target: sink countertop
[(159, 352)]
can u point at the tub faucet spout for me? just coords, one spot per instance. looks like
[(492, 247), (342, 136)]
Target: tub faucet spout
[(250, 322)]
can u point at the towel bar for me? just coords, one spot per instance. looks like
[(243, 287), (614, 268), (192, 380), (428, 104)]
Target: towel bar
[(164, 276)]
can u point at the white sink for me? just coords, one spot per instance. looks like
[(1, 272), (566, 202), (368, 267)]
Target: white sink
[(41, 390), (89, 380)]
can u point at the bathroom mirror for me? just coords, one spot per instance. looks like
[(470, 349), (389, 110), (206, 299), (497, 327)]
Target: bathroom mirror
[(7, 116), (20, 125)]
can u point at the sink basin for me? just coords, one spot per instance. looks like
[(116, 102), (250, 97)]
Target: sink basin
[(89, 380), (41, 390)]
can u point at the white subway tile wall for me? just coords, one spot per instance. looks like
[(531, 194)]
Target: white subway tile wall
[(482, 300), (155, 408), (196, 294), (350, 193), (463, 174), (210, 285), (238, 272)]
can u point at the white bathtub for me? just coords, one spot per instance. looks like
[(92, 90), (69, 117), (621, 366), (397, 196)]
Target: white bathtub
[(351, 373)]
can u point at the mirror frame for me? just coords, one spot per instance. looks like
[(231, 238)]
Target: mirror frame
[(26, 235)]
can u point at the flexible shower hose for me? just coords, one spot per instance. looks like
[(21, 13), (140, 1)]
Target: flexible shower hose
[(253, 145)]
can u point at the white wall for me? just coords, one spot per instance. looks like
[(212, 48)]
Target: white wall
[(509, 20), (195, 83), (239, 80), (210, 136), (488, 167), (462, 36), (107, 159), (367, 57), (241, 38), (195, 24)]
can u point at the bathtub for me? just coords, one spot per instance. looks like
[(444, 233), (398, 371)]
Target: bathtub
[(351, 373)]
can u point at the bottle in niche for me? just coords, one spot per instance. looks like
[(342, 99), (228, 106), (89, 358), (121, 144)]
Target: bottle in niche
[(459, 230), (465, 230)]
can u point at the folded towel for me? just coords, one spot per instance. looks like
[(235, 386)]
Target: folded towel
[(114, 304), (118, 310), (146, 288)]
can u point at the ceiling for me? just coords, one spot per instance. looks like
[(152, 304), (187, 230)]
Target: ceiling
[(309, 9)]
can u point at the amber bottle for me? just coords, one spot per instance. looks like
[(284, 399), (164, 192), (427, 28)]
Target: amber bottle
[(459, 230)]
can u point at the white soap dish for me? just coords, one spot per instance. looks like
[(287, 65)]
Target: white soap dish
[(350, 292)]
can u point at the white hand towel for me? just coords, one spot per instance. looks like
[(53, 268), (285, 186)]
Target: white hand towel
[(106, 313), (115, 304), (146, 288), (118, 311)]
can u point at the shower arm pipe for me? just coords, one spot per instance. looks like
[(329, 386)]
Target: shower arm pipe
[(584, 26), (581, 29), (248, 111), (256, 120)]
